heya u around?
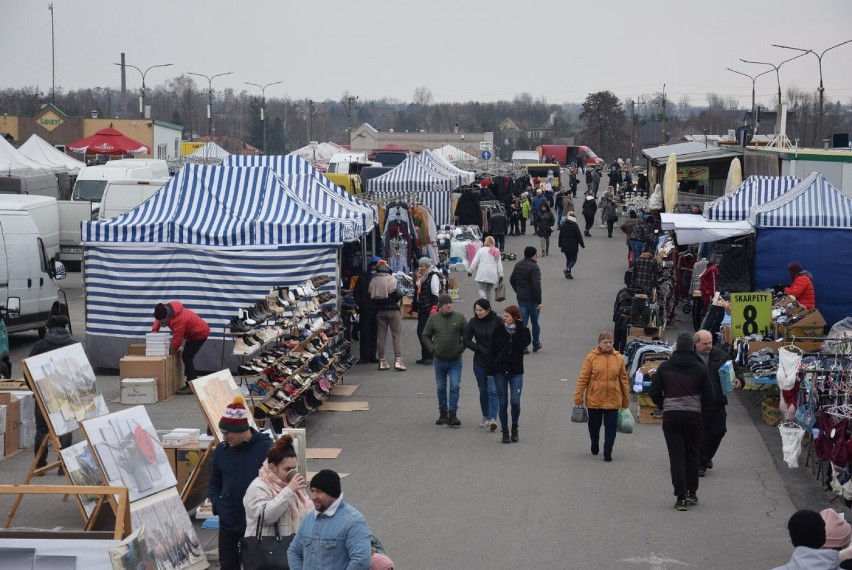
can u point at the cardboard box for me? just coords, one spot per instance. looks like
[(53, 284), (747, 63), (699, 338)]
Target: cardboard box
[(646, 415), (136, 350), (27, 404), (2, 421), (406, 306), (186, 460), (168, 370), (139, 391), (26, 434), (13, 420), (13, 385), (769, 412)]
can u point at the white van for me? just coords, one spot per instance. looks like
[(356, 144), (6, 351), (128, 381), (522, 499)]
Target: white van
[(26, 271), (32, 182), (525, 157), (121, 196), (349, 162), (92, 180), (44, 212)]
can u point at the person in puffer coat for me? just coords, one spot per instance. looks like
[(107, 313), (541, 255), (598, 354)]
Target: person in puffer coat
[(185, 325), (801, 286), (488, 268), (602, 388)]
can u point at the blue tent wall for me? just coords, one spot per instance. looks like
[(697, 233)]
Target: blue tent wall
[(818, 251)]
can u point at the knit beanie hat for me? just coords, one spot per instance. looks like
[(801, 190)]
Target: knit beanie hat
[(807, 529), (160, 312), (328, 482), (684, 342), (530, 251), (380, 561), (444, 300), (837, 531), (425, 262), (235, 418), (515, 312), (794, 269)]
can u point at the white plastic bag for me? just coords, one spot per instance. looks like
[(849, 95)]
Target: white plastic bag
[(791, 442), (788, 367)]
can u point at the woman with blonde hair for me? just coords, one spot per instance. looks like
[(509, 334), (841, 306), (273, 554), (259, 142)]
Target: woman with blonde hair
[(602, 388), (488, 266)]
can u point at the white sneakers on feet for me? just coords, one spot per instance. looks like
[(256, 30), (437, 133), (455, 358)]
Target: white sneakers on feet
[(492, 424), (483, 423)]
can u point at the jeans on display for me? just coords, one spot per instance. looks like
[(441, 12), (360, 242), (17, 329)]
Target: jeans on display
[(529, 312), (570, 260), (487, 392), (485, 290), (682, 431), (509, 387), (422, 317), (448, 370), (190, 349), (389, 320), (609, 418)]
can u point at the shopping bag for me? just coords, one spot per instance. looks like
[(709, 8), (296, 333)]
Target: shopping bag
[(727, 377), (625, 420), (579, 415), (500, 292)]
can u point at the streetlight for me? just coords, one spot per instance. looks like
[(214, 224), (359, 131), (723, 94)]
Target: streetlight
[(52, 54), (263, 107), (777, 75), (143, 73), (753, 79), (109, 99), (210, 97), (821, 89)]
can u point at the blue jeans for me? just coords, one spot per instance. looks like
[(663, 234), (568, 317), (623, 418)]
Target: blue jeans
[(487, 391), (509, 388), (609, 418), (529, 312), (501, 241), (448, 369), (570, 260)]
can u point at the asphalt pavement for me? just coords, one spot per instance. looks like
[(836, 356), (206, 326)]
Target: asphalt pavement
[(440, 497)]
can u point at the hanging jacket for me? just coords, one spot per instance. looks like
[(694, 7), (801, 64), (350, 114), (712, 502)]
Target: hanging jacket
[(708, 284), (498, 223), (802, 288)]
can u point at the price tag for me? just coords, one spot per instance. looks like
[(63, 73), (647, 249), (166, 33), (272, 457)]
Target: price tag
[(751, 313)]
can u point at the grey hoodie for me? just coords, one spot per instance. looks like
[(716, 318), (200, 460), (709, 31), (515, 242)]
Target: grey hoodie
[(805, 558)]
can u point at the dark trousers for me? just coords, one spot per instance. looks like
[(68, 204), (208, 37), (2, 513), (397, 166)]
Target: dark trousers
[(515, 227), (682, 431), (715, 426), (590, 221), (229, 550), (369, 336), (42, 432), (501, 241), (609, 225), (422, 317), (609, 419), (697, 312), (190, 349), (523, 225)]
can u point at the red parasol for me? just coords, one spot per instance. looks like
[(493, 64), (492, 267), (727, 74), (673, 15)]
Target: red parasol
[(108, 141)]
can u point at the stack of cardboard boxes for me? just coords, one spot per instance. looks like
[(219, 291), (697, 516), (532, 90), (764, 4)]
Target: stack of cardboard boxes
[(167, 371)]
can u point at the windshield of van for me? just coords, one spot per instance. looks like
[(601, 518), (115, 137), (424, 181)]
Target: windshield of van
[(91, 190)]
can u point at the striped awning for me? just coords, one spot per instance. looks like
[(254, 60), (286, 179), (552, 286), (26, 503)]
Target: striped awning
[(754, 191), (411, 175), (813, 203), (438, 164)]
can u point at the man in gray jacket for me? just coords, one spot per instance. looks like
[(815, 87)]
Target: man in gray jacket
[(443, 337)]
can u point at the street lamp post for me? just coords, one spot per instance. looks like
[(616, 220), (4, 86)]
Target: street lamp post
[(210, 97), (143, 73), (777, 76), (52, 55), (263, 107), (753, 79), (821, 89), (109, 99)]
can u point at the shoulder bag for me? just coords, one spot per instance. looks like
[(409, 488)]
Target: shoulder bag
[(265, 552), (580, 415)]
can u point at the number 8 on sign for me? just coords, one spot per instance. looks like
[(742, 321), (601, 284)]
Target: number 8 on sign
[(751, 313)]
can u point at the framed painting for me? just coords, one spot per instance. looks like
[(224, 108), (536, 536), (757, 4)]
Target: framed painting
[(169, 534), (81, 466), (215, 391)]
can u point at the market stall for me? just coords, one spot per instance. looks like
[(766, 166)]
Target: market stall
[(412, 176), (753, 191)]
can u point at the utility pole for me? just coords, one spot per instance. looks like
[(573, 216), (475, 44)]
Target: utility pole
[(53, 55), (262, 108), (311, 120), (663, 131), (632, 131), (349, 100), (209, 97)]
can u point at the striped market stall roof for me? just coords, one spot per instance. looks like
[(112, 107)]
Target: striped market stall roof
[(412, 177), (754, 191), (440, 164), (813, 203)]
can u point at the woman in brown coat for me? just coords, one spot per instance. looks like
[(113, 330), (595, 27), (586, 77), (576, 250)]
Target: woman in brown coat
[(602, 383)]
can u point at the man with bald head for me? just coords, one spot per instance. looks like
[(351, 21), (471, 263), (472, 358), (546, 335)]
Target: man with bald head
[(714, 417)]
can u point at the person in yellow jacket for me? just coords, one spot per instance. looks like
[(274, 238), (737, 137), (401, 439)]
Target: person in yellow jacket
[(602, 388), (526, 206)]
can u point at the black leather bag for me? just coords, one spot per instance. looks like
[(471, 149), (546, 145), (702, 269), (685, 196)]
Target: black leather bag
[(265, 552)]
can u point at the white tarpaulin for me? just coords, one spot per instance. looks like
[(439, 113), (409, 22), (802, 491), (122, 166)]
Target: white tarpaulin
[(694, 228), (39, 150)]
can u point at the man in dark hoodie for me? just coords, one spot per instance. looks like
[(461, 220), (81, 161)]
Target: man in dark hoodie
[(526, 283), (681, 388), (56, 336)]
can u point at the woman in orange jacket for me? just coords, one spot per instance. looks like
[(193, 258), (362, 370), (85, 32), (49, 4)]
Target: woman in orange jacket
[(801, 285)]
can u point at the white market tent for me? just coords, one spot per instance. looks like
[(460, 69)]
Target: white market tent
[(210, 150), (11, 159), (454, 154), (413, 177), (42, 152), (439, 163), (694, 228), (323, 152)]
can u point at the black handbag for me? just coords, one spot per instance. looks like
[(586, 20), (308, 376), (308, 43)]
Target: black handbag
[(580, 414), (260, 552)]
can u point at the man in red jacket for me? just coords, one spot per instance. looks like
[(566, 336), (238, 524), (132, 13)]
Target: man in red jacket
[(185, 325)]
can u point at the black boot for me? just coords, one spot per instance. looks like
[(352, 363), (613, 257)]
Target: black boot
[(506, 436), (514, 433), (442, 419), (452, 420)]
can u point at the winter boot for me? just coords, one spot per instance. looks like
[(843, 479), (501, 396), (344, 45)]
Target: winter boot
[(442, 418), (452, 420), (514, 433), (506, 436)]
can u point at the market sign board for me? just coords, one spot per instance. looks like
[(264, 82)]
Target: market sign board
[(49, 120), (693, 173), (751, 313), (188, 147)]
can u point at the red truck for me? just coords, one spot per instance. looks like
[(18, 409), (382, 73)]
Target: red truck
[(567, 154)]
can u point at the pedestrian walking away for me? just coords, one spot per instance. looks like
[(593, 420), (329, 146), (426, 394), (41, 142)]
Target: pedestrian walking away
[(681, 388), (443, 337), (185, 326), (385, 297), (526, 283), (506, 364), (333, 536), (602, 388), (236, 463), (487, 266), (497, 226), (544, 227), (609, 214), (367, 324), (589, 209), (477, 337), (570, 241), (428, 288)]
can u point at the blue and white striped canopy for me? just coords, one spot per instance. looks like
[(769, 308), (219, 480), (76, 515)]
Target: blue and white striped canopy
[(813, 203), (754, 191), (411, 175), (428, 158), (289, 164), (219, 207)]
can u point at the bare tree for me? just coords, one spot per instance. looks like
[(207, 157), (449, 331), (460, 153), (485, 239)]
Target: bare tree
[(422, 96)]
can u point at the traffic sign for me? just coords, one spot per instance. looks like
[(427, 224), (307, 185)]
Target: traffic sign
[(486, 155), (485, 145)]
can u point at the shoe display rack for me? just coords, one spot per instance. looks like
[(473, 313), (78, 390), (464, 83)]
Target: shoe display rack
[(290, 362)]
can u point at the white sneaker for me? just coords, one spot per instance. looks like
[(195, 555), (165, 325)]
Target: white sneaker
[(483, 423), (492, 424)]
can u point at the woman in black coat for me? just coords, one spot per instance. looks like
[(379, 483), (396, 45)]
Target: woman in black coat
[(509, 342), (590, 206), (570, 240), (544, 223)]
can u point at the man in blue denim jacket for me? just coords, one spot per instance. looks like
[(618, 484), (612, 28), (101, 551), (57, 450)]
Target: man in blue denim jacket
[(334, 536)]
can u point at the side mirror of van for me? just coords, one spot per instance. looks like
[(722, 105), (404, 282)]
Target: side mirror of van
[(58, 270), (13, 307)]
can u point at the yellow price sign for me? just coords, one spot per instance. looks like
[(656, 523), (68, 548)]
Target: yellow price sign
[(751, 313)]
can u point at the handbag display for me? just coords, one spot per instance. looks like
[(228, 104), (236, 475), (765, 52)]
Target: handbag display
[(580, 415), (265, 552)]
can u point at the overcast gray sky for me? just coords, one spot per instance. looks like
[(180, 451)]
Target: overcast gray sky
[(462, 50)]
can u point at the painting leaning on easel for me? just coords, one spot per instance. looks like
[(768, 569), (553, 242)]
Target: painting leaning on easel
[(83, 470)]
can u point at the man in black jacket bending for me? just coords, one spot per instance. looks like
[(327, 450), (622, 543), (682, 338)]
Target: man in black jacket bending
[(526, 283)]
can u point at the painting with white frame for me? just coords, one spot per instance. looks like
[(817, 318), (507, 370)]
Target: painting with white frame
[(169, 532), (215, 392), (129, 452), (68, 387)]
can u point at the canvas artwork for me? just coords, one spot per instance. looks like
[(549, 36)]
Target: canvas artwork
[(67, 386), (129, 451), (81, 467), (133, 553), (169, 533), (215, 391)]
